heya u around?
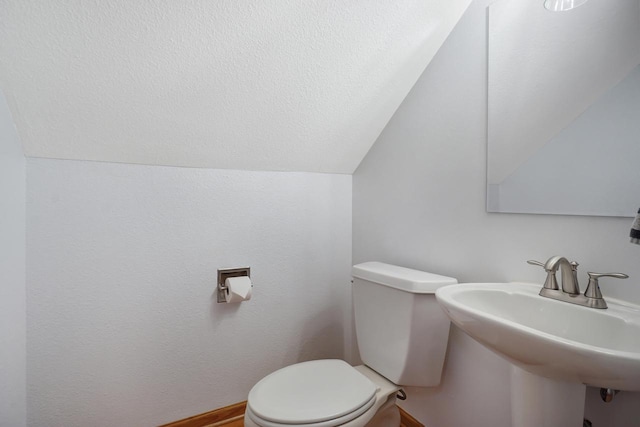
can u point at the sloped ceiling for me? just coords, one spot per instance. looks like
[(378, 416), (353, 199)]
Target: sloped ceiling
[(259, 85)]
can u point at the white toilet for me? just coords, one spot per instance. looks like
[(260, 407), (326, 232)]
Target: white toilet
[(402, 336)]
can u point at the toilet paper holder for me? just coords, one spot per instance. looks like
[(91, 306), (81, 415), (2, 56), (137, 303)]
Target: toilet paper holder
[(224, 274)]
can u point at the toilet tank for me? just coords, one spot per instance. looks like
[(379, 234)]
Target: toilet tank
[(401, 330)]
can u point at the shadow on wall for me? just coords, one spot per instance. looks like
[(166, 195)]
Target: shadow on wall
[(322, 337), (221, 311)]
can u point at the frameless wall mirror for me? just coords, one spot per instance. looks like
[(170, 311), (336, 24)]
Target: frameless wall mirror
[(564, 108)]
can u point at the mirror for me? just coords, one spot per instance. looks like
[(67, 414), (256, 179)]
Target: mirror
[(564, 108)]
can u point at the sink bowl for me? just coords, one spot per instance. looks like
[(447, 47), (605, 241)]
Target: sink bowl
[(550, 338)]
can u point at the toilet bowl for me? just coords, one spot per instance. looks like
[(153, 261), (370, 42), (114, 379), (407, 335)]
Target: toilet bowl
[(320, 393), (402, 336)]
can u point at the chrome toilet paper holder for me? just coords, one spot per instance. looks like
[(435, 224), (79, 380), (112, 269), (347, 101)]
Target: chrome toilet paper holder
[(226, 273)]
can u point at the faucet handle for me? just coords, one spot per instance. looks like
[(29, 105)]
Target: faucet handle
[(550, 282), (593, 288)]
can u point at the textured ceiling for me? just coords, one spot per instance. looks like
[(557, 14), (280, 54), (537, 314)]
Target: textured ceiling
[(273, 85)]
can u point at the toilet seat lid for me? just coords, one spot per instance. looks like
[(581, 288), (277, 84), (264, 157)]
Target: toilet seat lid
[(310, 392)]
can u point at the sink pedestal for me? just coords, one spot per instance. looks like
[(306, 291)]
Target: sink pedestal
[(542, 402)]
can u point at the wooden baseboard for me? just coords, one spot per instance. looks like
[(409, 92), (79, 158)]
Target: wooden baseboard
[(406, 420), (230, 416), (233, 416)]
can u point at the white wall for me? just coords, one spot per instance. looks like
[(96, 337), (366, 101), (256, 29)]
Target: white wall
[(12, 274), (419, 201), (123, 327)]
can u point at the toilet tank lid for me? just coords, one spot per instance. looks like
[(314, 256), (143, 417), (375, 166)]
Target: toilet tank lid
[(405, 279)]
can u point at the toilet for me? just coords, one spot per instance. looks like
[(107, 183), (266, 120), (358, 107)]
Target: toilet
[(402, 336)]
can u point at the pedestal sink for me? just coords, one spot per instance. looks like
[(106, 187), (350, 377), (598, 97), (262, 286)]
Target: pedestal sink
[(556, 348)]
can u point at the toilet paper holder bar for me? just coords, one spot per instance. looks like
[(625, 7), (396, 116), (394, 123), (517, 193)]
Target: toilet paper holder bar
[(224, 274)]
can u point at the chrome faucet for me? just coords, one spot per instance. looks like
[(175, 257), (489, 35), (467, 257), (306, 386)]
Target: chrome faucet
[(570, 291)]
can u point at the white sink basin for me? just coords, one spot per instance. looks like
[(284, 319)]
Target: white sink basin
[(550, 338)]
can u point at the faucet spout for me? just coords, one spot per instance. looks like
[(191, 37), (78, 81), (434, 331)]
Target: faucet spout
[(569, 281)]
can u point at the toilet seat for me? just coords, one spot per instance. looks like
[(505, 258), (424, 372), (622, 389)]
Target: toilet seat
[(319, 393), (329, 423)]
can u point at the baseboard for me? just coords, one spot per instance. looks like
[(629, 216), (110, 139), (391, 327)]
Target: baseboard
[(406, 420), (233, 416)]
